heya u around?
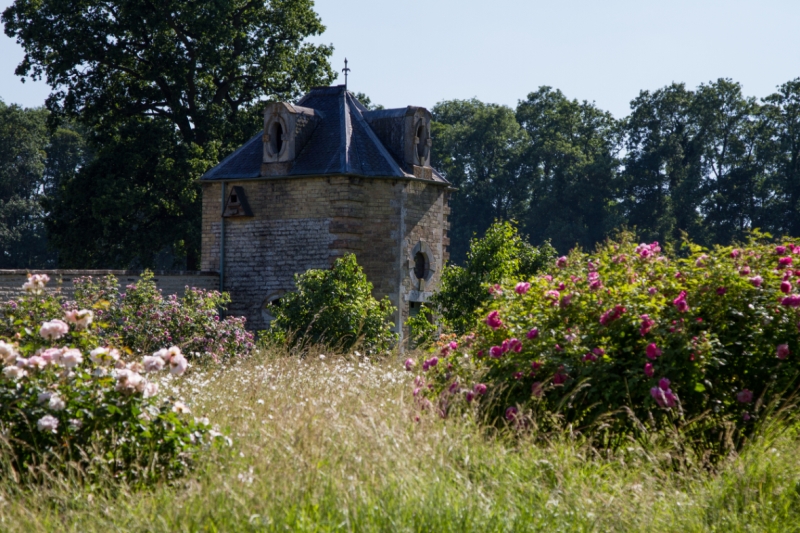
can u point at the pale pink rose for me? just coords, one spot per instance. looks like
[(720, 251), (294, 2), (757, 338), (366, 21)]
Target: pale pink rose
[(54, 329), (14, 372), (180, 408), (150, 390), (8, 353), (38, 362), (71, 358), (80, 319), (52, 355), (178, 364), (48, 424), (756, 281), (152, 363)]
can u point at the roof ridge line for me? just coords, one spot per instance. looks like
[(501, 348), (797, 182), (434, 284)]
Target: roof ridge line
[(346, 131), (381, 148)]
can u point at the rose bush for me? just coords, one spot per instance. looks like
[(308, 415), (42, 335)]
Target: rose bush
[(139, 319), (69, 398), (629, 333)]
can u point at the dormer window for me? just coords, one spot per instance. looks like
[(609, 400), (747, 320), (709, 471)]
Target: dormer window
[(287, 128), (276, 137), (423, 141)]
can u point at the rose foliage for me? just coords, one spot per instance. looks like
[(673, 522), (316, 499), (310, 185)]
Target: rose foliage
[(68, 399), (143, 320), (632, 337)]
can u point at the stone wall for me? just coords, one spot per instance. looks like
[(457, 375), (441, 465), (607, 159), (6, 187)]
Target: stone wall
[(170, 282), (305, 223)]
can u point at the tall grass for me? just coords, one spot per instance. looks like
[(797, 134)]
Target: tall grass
[(333, 444)]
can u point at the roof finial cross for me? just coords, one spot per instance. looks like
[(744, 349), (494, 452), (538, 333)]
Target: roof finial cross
[(345, 70)]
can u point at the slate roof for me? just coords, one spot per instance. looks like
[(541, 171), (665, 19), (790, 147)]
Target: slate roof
[(342, 143)]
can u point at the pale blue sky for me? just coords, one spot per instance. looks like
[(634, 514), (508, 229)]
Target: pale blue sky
[(421, 52)]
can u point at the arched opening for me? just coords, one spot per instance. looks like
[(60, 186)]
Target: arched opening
[(422, 144), (420, 265), (276, 137)]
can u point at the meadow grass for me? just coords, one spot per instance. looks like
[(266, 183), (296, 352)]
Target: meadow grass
[(333, 445)]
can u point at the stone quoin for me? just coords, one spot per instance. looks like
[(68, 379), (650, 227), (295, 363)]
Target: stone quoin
[(327, 177)]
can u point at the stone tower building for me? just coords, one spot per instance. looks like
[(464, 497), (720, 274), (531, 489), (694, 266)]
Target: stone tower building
[(327, 177)]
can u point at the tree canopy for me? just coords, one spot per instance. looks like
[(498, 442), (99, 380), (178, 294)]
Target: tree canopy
[(183, 81)]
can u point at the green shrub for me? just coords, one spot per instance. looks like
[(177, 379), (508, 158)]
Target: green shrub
[(69, 399), (141, 319), (627, 333), (502, 255), (334, 308)]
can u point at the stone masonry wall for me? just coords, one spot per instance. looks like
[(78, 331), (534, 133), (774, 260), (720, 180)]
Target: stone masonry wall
[(305, 223), (170, 282)]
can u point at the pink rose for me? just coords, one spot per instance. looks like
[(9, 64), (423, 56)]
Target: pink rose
[(653, 352), (522, 287), (561, 262), (745, 396), (782, 352), (648, 370), (533, 333), (493, 320), (680, 302)]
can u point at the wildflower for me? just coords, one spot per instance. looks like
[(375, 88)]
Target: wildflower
[(48, 423), (537, 389), (784, 261), (409, 364), (178, 365), (511, 413), (54, 329), (71, 358), (745, 396), (648, 370), (80, 319), (735, 253), (756, 281), (721, 291), (782, 352), (612, 315), (561, 262), (793, 300), (533, 333), (493, 320), (180, 408), (496, 352), (647, 325), (522, 287), (479, 388), (653, 351), (153, 363), (680, 302)]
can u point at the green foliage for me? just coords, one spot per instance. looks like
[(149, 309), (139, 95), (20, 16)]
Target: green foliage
[(69, 401), (140, 320), (167, 89), (593, 342), (501, 256), (335, 308)]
